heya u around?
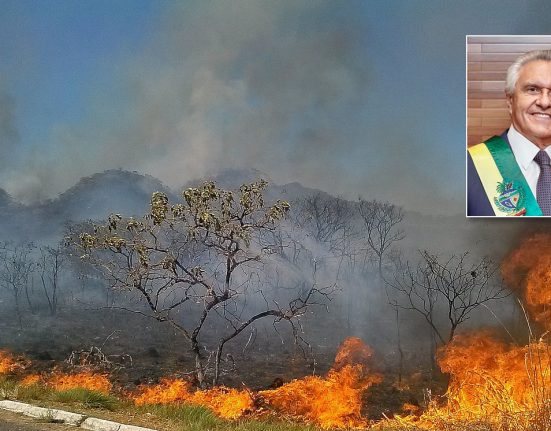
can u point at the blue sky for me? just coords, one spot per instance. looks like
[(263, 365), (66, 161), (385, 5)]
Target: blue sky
[(352, 97)]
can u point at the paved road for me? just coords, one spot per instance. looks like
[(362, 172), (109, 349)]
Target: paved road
[(14, 422)]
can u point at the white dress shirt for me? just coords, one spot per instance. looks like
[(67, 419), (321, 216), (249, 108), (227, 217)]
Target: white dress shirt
[(524, 152)]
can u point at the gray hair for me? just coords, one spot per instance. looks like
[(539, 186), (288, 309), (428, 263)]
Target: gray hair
[(514, 69)]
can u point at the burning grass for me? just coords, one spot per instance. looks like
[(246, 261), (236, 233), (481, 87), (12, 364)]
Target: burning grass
[(84, 380), (494, 386), (225, 402), (333, 401), (88, 398), (10, 364), (7, 363)]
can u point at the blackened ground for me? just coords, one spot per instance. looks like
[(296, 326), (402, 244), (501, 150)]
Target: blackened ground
[(142, 350), (139, 350)]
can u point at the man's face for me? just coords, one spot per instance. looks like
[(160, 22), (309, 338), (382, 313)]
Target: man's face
[(530, 104)]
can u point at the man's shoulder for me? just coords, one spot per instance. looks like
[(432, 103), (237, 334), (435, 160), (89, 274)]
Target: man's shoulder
[(477, 199)]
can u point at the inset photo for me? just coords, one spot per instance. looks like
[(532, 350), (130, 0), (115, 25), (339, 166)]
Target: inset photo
[(508, 126)]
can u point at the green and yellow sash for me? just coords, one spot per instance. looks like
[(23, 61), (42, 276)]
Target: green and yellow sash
[(503, 182)]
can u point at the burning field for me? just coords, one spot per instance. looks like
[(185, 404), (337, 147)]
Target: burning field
[(491, 382), (333, 401), (494, 383), (503, 385)]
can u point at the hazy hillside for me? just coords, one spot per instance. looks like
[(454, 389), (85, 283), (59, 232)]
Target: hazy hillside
[(129, 193), (300, 259), (5, 199), (92, 198)]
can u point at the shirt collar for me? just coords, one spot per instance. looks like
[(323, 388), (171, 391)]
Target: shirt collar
[(523, 149)]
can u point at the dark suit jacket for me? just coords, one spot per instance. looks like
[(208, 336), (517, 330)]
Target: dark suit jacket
[(477, 200)]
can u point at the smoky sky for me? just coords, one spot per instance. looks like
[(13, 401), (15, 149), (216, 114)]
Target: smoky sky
[(355, 98), (8, 129)]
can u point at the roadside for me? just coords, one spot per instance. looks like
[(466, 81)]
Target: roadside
[(17, 422), (60, 417)]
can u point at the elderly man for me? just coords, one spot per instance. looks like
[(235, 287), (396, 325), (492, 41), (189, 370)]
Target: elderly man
[(510, 175)]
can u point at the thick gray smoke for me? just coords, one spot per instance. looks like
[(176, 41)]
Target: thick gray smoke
[(222, 85), (324, 93), (8, 129)]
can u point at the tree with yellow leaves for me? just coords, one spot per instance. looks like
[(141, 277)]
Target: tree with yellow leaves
[(198, 264)]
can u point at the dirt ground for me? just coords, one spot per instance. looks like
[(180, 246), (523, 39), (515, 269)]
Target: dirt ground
[(15, 422), (142, 350)]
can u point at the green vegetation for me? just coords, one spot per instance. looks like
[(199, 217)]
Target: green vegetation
[(8, 388), (191, 417), (49, 418), (87, 397), (33, 392), (178, 417), (196, 418)]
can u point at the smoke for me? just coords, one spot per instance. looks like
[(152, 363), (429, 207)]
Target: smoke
[(324, 93), (8, 130), (217, 86)]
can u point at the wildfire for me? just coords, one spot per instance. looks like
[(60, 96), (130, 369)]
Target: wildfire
[(7, 363), (491, 382), (490, 378), (334, 400), (10, 364), (85, 379), (30, 380), (331, 401), (166, 392), (528, 268), (504, 385), (226, 402), (353, 351)]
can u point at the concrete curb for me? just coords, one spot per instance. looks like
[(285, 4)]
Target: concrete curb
[(61, 416)]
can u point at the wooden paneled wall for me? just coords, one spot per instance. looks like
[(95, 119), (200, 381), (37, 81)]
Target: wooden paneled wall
[(488, 58)]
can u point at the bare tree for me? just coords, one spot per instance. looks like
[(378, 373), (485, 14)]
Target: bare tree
[(51, 264), (89, 276), (16, 268), (326, 218), (381, 221), (199, 264), (456, 286)]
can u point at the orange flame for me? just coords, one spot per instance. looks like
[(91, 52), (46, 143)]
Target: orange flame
[(505, 385), (490, 381), (331, 401), (85, 380), (166, 392), (30, 380), (490, 377), (334, 401), (226, 402), (528, 268), (7, 362), (10, 363), (352, 351), (537, 292)]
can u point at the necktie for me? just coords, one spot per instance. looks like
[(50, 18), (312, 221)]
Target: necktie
[(543, 189)]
